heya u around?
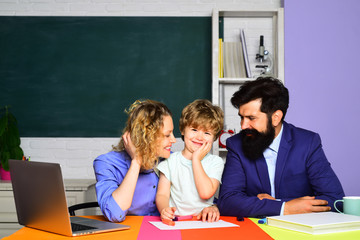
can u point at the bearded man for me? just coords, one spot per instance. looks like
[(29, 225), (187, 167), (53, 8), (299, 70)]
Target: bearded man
[(272, 167)]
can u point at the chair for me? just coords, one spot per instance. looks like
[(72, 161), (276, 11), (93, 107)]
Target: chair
[(75, 207)]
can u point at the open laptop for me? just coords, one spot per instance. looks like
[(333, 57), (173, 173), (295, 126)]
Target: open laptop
[(41, 202)]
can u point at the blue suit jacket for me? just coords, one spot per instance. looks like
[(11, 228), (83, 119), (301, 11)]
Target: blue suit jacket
[(301, 170)]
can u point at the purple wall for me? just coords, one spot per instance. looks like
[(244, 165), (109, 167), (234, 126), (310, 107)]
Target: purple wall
[(322, 73)]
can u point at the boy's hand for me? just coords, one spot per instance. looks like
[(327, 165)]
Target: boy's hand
[(168, 213), (211, 214), (201, 152)]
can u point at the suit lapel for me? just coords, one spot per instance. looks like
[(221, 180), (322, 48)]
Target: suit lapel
[(284, 148)]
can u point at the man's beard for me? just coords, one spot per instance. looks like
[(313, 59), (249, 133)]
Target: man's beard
[(254, 142)]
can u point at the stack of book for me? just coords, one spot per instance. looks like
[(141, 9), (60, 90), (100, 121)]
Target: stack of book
[(234, 66), (233, 59), (316, 223)]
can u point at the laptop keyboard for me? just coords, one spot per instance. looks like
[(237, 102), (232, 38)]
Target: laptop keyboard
[(79, 227)]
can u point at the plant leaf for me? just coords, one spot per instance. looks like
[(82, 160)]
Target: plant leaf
[(16, 153), (3, 124), (5, 160), (11, 118), (9, 139), (12, 136)]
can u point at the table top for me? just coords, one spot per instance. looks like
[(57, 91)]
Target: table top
[(142, 229)]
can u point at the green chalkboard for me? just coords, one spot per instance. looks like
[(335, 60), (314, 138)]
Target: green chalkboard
[(74, 76)]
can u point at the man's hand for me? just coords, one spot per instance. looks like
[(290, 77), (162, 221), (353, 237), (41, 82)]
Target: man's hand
[(262, 196), (211, 214), (306, 205)]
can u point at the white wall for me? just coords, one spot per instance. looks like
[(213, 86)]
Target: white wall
[(126, 7), (77, 154)]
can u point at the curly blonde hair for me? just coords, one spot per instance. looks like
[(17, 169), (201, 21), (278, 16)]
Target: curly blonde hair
[(202, 113), (144, 124)]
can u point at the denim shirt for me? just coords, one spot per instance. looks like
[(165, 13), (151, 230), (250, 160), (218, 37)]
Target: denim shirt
[(110, 170)]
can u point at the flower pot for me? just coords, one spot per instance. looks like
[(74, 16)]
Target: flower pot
[(5, 175)]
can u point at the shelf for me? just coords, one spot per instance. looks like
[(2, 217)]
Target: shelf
[(248, 13), (266, 22), (234, 80)]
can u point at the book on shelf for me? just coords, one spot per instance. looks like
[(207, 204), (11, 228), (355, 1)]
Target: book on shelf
[(221, 27), (234, 66), (245, 53), (221, 59), (316, 223)]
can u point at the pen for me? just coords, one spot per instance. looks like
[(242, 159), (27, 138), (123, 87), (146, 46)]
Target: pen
[(187, 217), (262, 221), (168, 222), (178, 218), (240, 219)]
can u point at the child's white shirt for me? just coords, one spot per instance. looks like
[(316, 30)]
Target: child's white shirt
[(183, 193)]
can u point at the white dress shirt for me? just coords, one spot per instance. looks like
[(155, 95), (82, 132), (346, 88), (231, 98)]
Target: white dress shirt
[(270, 155)]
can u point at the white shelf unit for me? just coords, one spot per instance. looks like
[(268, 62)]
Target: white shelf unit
[(270, 24)]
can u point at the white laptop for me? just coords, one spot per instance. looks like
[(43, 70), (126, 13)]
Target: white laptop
[(41, 202)]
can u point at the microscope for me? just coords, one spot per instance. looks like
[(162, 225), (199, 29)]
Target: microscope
[(264, 57)]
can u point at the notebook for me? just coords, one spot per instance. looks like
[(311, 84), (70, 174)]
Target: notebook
[(41, 202), (316, 223)]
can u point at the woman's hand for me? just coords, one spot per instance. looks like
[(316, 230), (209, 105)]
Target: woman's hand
[(124, 194), (131, 149), (211, 214)]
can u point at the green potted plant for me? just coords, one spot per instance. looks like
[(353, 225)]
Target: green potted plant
[(9, 139)]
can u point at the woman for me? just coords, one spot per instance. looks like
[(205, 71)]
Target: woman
[(126, 181)]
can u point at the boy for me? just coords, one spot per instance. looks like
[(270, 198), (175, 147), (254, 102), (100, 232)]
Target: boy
[(190, 178)]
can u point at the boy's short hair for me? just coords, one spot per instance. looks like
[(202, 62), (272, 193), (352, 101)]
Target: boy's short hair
[(202, 113)]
